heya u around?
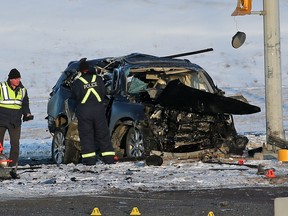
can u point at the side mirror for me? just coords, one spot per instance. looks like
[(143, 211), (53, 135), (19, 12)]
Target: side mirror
[(238, 39)]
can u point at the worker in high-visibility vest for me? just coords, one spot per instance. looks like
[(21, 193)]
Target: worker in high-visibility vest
[(14, 104), (89, 91)]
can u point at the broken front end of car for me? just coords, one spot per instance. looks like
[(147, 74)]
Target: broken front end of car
[(158, 104), (183, 111), (180, 129)]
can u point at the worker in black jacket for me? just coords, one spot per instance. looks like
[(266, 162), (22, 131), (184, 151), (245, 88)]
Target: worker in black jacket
[(88, 91), (14, 103)]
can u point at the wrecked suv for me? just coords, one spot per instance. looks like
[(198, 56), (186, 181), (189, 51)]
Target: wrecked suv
[(153, 104)]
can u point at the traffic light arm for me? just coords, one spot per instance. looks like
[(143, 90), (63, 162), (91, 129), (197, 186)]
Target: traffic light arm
[(244, 7)]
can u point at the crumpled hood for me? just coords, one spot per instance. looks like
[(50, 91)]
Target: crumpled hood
[(180, 96)]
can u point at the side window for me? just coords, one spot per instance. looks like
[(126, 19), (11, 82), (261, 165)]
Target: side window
[(136, 85)]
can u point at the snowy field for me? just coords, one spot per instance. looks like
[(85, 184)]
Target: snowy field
[(40, 38)]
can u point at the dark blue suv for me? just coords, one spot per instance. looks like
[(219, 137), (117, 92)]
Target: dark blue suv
[(159, 104)]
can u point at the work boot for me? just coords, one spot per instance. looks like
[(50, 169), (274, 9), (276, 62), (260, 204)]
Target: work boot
[(108, 159), (13, 174), (89, 161)]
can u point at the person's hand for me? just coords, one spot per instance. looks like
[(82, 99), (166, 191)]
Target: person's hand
[(28, 117)]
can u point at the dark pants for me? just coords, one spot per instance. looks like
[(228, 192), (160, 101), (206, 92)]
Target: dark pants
[(93, 130), (14, 134)]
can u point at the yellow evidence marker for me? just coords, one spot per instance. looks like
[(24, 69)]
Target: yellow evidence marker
[(135, 212), (95, 212), (210, 213)]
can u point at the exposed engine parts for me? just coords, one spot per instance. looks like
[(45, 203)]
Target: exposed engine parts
[(180, 131)]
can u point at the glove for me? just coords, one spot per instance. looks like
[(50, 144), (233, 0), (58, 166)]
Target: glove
[(28, 117)]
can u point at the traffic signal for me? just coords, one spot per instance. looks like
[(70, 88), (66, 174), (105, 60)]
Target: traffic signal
[(243, 7)]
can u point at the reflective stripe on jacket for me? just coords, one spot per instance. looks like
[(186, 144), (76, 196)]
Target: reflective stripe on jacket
[(90, 89), (8, 97)]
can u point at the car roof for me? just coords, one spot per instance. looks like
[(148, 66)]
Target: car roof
[(73, 65), (144, 60), (136, 60)]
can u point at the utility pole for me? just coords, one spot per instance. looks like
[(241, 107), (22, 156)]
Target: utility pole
[(273, 79), (275, 135)]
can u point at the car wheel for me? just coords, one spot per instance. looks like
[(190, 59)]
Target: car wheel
[(134, 143), (58, 147)]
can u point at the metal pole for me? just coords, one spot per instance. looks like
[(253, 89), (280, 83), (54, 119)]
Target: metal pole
[(273, 82)]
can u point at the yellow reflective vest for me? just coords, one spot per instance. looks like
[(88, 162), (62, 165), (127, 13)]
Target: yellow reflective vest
[(9, 98)]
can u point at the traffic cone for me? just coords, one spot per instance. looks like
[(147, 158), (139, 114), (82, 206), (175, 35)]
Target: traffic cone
[(241, 162), (116, 158), (4, 161), (270, 173)]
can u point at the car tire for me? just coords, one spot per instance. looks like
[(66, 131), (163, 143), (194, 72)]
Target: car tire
[(58, 147), (134, 143)]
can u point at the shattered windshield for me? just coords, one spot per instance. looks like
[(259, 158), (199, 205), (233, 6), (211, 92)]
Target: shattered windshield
[(145, 79)]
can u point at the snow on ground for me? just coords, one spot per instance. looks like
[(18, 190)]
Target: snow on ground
[(40, 38), (63, 180)]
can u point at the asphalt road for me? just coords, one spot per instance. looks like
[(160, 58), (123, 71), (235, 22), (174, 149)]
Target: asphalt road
[(224, 202)]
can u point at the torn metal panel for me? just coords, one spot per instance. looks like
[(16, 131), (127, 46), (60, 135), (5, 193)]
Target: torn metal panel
[(178, 95)]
